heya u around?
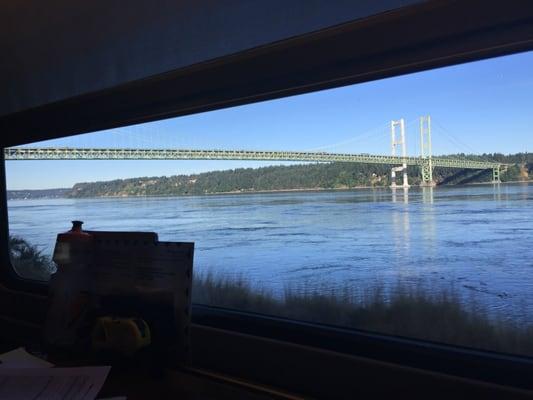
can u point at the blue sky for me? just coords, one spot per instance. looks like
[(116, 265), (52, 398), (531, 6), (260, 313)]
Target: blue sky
[(485, 106)]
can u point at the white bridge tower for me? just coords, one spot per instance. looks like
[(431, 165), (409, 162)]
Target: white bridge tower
[(395, 142)]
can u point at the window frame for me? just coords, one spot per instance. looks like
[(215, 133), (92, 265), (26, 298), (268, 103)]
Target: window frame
[(8, 276), (495, 36), (452, 360)]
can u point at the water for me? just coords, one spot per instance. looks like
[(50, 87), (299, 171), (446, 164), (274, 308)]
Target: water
[(476, 239)]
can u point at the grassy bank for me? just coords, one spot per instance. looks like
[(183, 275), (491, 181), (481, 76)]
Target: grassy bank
[(410, 311), (404, 311)]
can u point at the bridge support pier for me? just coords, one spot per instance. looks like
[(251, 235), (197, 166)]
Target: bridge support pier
[(496, 174), (426, 171), (403, 168)]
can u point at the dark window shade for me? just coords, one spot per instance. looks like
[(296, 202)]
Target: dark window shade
[(58, 49), (411, 39)]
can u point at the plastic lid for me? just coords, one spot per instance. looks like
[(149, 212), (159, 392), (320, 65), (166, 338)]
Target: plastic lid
[(76, 225)]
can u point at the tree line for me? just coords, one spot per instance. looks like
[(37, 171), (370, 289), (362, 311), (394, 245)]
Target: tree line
[(336, 175)]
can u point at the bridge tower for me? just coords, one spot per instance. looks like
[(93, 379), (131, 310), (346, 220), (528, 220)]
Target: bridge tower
[(496, 174), (395, 142), (426, 168)]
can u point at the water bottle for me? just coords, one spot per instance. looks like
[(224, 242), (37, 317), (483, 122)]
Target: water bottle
[(69, 297)]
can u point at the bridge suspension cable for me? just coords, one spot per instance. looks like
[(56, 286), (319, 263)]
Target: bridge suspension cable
[(378, 132)]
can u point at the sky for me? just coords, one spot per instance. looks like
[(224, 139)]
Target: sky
[(480, 107)]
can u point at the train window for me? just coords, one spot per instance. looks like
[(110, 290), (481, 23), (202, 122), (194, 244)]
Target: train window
[(401, 206)]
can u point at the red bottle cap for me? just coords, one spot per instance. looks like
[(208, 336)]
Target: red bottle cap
[(75, 233)]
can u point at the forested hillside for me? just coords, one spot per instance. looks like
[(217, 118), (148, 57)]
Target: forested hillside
[(296, 177)]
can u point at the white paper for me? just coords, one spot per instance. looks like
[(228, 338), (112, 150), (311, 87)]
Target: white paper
[(20, 358), (82, 383)]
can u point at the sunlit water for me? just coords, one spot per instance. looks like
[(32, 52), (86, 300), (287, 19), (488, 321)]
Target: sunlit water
[(476, 240)]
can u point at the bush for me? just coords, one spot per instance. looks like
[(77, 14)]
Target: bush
[(29, 262)]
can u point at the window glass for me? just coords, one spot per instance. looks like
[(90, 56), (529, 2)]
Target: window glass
[(290, 205)]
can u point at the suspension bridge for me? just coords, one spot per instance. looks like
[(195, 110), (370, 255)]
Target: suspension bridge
[(426, 162)]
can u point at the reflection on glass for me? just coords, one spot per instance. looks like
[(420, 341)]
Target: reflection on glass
[(327, 242)]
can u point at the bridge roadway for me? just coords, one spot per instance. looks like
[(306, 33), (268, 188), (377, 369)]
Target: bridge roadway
[(27, 153)]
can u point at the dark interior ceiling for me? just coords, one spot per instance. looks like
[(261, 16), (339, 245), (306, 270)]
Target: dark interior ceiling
[(408, 39), (58, 49)]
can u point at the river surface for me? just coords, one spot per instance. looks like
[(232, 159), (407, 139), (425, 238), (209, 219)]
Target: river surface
[(474, 240)]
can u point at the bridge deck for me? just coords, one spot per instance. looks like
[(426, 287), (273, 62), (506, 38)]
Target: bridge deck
[(175, 154)]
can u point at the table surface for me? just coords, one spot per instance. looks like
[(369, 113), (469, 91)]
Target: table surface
[(183, 384)]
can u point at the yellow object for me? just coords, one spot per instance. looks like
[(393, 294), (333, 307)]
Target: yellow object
[(124, 335)]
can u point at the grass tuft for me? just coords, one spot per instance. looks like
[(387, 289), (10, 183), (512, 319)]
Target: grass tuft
[(439, 316)]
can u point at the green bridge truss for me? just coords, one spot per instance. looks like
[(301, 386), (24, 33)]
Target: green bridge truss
[(25, 153)]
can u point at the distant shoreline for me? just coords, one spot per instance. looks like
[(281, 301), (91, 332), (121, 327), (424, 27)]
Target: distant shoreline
[(237, 192)]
